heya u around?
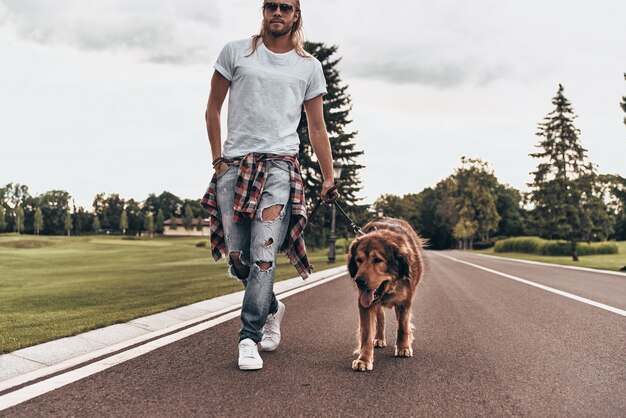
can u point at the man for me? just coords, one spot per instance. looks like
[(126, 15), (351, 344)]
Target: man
[(256, 196)]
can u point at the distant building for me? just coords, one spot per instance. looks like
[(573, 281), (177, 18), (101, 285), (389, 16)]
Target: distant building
[(180, 230)]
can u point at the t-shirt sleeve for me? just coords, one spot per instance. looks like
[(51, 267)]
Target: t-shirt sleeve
[(317, 83), (225, 63)]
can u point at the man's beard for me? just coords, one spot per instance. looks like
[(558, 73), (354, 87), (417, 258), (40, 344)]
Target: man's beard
[(278, 34)]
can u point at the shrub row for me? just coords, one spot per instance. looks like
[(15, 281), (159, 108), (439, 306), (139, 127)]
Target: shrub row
[(535, 245)]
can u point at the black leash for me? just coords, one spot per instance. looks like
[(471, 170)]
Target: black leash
[(355, 227)]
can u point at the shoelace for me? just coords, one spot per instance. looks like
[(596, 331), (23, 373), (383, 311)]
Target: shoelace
[(247, 350), (267, 328)]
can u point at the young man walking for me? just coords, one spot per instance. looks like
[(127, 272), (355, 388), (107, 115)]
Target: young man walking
[(256, 197)]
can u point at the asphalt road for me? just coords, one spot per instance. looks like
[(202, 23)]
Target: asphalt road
[(485, 345)]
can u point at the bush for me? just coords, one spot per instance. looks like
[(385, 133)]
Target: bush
[(534, 245), (482, 245)]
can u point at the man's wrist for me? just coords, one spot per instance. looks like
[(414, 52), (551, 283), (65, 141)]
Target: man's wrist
[(216, 162)]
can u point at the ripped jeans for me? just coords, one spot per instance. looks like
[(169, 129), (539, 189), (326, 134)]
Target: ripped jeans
[(256, 242)]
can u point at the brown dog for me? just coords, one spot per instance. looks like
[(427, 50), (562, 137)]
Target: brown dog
[(386, 265)]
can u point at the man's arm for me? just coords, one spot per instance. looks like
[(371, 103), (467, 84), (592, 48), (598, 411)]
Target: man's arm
[(219, 88), (319, 140)]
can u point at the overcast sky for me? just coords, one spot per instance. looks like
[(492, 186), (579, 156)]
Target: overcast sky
[(109, 95)]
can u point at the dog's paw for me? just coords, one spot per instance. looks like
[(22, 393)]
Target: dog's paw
[(379, 343), (404, 352), (362, 366)]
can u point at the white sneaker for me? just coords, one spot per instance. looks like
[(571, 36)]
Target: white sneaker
[(271, 330), (249, 358)]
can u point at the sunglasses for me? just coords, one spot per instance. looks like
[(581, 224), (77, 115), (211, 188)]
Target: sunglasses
[(284, 7)]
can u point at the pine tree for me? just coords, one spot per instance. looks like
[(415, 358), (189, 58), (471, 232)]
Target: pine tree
[(624, 102), (337, 107), (563, 181), (38, 221)]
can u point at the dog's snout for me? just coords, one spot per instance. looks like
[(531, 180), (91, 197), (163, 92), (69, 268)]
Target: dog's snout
[(361, 283)]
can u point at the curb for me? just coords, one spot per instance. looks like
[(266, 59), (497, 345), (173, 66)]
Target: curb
[(24, 365)]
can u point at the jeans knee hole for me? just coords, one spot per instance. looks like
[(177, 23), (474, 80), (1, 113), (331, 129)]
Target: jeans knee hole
[(264, 265), (272, 213)]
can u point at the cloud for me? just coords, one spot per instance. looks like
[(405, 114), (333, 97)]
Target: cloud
[(163, 32), (429, 69)]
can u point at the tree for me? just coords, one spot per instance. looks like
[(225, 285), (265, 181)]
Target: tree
[(68, 223), (19, 219), (148, 223), (160, 220), (337, 108), (474, 193), (563, 182), (508, 204), (124, 221), (167, 202), (188, 218), (109, 209), (624, 102), (3, 218), (464, 231), (38, 222), (96, 224), (54, 205)]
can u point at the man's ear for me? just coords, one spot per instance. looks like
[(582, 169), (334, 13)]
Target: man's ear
[(352, 267)]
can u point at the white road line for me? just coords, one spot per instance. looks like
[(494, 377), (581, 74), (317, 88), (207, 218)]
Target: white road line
[(539, 263), (540, 286), (55, 382)]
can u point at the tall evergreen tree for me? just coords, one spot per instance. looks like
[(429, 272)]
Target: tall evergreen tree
[(337, 108), (563, 182), (38, 221)]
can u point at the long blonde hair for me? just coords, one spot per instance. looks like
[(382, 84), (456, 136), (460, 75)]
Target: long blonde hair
[(296, 36)]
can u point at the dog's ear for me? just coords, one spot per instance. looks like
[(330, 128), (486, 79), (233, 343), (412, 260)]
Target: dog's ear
[(402, 259), (352, 267)]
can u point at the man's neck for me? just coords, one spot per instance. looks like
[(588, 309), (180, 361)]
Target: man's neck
[(278, 45)]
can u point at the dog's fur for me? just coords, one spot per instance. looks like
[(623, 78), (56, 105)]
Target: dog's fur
[(386, 264)]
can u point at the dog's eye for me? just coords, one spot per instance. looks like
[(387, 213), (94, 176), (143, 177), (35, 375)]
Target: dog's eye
[(377, 260)]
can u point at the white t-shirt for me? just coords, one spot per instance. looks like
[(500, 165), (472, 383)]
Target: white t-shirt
[(267, 91)]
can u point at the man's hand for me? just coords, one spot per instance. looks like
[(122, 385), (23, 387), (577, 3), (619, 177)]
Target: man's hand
[(221, 167), (329, 192)]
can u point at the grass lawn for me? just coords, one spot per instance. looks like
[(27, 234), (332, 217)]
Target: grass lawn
[(52, 287), (603, 262)]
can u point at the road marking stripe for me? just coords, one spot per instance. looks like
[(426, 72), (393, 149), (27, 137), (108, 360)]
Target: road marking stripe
[(539, 263), (540, 286), (37, 389)]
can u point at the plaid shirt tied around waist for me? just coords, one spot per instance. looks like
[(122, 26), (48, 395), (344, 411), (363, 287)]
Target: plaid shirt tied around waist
[(251, 175)]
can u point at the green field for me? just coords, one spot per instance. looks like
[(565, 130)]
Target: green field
[(52, 287), (603, 262)]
